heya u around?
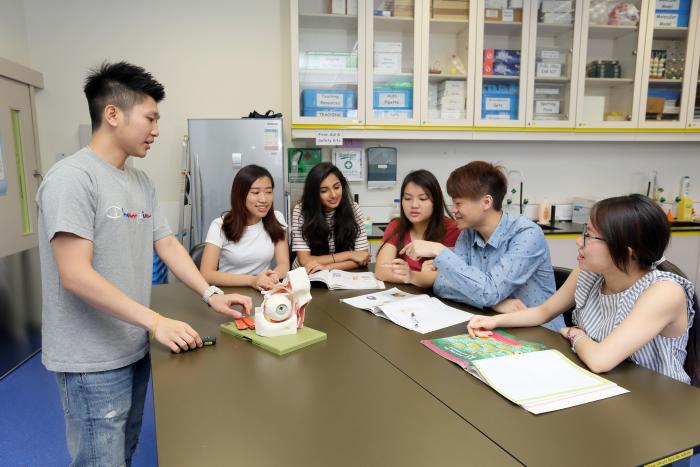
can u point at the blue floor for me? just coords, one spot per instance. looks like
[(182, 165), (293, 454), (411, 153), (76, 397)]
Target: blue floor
[(32, 431)]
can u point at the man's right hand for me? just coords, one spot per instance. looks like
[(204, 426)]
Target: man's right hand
[(176, 335)]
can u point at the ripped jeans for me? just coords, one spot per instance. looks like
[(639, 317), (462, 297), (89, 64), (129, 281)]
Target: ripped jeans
[(103, 412)]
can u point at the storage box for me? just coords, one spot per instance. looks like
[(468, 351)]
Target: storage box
[(450, 9), (548, 70), (551, 54), (682, 6), (393, 99), (548, 90), (393, 113), (499, 4), (500, 101), (556, 18), (330, 60), (329, 98), (512, 15), (387, 57), (336, 7), (550, 6), (671, 18), (502, 55), (547, 107), (330, 113)]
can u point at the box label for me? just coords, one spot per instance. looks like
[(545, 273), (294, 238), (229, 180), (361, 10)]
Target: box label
[(548, 70), (329, 100), (668, 4), (391, 99), (549, 54), (547, 107), (666, 19), (547, 91), (497, 103)]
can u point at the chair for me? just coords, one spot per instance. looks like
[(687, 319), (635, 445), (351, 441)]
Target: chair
[(196, 254), (560, 276)]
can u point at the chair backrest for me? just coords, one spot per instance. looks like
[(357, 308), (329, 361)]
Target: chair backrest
[(560, 276), (196, 254)]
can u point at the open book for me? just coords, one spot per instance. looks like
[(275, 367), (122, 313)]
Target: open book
[(524, 372), (419, 313), (336, 279)]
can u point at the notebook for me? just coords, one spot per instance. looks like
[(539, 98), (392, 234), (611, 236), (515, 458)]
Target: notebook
[(279, 345), (539, 380), (335, 279)]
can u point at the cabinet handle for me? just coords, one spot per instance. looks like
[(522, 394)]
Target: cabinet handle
[(634, 52)]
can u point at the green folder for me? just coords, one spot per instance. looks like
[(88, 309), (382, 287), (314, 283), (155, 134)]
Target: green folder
[(279, 345)]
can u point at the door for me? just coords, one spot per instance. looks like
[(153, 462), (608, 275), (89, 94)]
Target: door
[(19, 174)]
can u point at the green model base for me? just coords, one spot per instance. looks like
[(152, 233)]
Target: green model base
[(279, 345)]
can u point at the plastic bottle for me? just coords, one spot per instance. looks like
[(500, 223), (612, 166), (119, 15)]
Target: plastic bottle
[(368, 226), (396, 210), (685, 204)]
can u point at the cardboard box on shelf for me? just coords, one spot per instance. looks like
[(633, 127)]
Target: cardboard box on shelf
[(450, 9), (512, 15)]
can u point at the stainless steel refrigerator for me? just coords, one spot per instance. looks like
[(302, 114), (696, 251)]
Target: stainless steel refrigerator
[(215, 150)]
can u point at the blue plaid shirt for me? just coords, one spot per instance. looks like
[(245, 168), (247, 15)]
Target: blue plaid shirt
[(514, 263)]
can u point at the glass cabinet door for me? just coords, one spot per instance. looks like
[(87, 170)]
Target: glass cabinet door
[(501, 63), (552, 82), (693, 111), (448, 62), (611, 65), (393, 60), (667, 64), (328, 73)]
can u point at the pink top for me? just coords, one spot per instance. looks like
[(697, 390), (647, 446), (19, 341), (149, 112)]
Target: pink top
[(451, 234)]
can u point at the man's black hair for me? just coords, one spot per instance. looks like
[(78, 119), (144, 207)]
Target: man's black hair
[(121, 84)]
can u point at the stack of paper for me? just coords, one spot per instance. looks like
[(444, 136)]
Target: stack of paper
[(419, 313), (538, 380)]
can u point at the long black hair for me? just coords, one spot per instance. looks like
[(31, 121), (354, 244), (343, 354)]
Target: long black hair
[(315, 230), (235, 219), (436, 225), (635, 222)]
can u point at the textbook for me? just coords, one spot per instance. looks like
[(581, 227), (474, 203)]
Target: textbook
[(279, 345), (539, 380), (335, 279), (419, 313)]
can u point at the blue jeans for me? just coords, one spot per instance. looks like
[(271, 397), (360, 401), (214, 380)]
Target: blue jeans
[(103, 412)]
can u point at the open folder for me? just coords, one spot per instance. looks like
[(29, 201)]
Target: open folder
[(524, 372), (419, 313)]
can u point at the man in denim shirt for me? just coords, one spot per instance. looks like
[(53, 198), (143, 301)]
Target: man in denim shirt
[(499, 261)]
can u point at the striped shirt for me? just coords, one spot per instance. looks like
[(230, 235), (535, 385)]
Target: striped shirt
[(299, 244), (598, 314)]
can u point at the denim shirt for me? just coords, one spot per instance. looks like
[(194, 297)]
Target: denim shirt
[(514, 263)]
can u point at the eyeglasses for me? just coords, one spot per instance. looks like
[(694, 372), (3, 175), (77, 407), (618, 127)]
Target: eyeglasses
[(587, 236)]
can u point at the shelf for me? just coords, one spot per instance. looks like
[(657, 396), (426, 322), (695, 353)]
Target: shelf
[(602, 31), (327, 21), (448, 26), (560, 79), (553, 30), (393, 24), (340, 77), (503, 29), (434, 77), (666, 82), (607, 82), (670, 33), (501, 78)]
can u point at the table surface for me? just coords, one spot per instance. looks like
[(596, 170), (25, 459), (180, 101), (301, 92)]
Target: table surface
[(334, 403), (373, 395)]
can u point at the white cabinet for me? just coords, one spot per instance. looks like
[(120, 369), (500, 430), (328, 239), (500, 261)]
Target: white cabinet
[(684, 251), (667, 80), (456, 64), (563, 250)]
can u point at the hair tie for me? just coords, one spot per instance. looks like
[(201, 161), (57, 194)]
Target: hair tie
[(656, 263)]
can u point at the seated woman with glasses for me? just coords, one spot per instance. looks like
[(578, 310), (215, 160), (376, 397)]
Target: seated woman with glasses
[(630, 302)]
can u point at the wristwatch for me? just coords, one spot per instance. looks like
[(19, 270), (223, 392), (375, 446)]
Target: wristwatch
[(212, 290)]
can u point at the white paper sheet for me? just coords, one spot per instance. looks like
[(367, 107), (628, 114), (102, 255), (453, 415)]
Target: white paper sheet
[(373, 300), (424, 314)]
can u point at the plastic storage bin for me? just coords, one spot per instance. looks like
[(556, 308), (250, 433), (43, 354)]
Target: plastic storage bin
[(393, 99), (499, 101), (329, 98)]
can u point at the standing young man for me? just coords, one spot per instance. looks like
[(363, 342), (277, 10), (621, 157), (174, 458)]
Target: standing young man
[(499, 261), (99, 221)]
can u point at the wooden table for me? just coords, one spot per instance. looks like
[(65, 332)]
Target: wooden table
[(335, 403)]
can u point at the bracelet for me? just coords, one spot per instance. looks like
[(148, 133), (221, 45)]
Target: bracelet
[(212, 290), (155, 325), (575, 339)]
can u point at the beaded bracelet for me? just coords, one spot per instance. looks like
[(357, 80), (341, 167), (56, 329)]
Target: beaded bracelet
[(576, 338)]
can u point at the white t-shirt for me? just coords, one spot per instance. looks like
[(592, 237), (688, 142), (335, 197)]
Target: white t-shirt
[(252, 254)]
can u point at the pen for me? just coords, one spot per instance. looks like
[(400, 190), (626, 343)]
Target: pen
[(415, 320)]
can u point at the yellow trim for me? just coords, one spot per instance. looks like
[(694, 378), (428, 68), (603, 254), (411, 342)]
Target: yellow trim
[(685, 233), (562, 236), (317, 126), (668, 460)]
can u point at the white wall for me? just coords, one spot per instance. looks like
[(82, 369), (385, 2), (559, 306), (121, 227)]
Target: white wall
[(221, 58), (215, 58), (13, 33)]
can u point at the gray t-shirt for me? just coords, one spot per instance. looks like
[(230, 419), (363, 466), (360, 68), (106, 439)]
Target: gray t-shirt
[(117, 210)]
